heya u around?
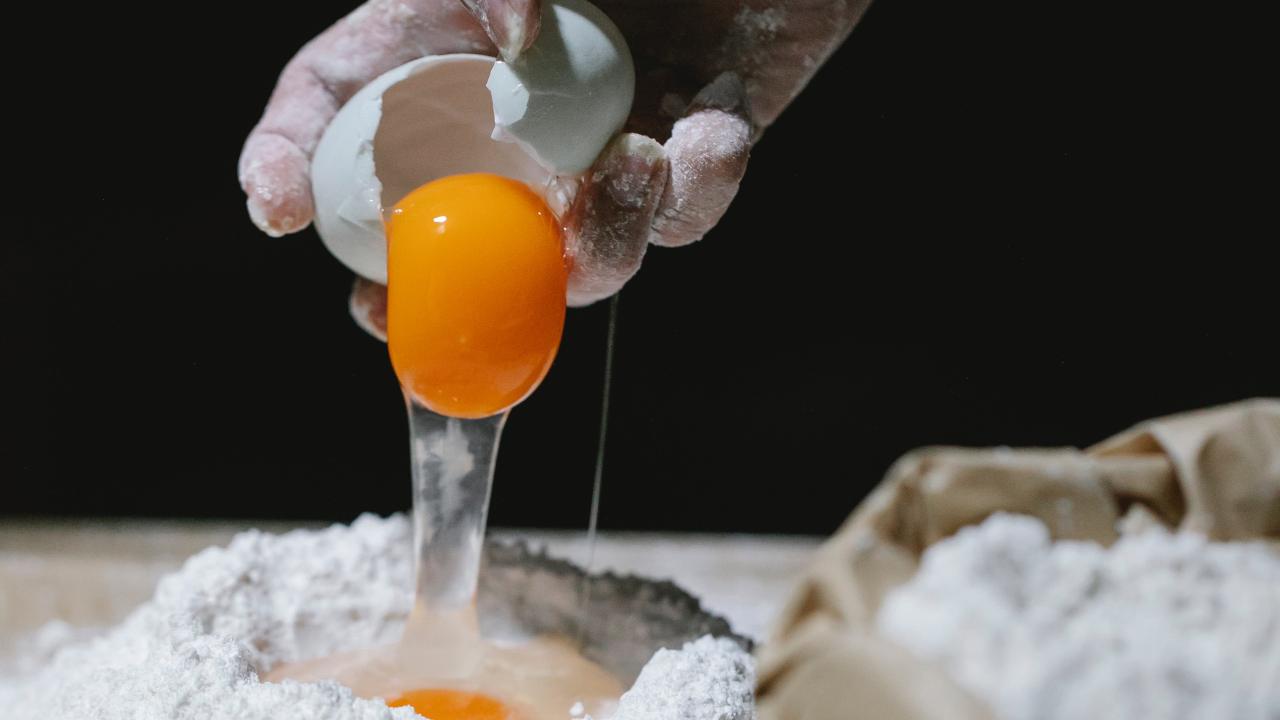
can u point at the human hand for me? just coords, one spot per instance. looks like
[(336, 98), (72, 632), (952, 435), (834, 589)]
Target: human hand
[(710, 76)]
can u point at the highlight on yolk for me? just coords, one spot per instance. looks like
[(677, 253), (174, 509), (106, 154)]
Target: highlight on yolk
[(476, 279), (454, 705)]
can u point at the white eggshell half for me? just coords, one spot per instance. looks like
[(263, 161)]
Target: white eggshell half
[(416, 123), (568, 94)]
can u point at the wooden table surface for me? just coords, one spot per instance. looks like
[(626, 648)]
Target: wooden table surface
[(96, 572)]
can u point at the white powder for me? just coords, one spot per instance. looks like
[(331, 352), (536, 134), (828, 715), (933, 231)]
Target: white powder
[(195, 651), (1159, 625), (708, 679)]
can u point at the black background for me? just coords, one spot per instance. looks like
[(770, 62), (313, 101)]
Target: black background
[(1023, 224)]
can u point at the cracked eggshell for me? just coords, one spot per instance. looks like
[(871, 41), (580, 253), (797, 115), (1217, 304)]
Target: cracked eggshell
[(418, 122), (568, 94)]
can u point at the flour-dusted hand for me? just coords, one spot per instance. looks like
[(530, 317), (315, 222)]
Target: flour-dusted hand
[(275, 165), (710, 76)]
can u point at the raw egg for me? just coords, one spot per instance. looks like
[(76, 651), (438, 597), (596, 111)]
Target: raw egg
[(425, 120), (433, 117), (477, 273), (454, 705)]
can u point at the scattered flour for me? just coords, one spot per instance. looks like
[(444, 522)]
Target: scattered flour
[(194, 652), (708, 679), (1159, 625)]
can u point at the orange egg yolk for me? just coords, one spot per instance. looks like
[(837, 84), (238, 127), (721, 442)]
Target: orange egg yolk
[(476, 278), (454, 705)]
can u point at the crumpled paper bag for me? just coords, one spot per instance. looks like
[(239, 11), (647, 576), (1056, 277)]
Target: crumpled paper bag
[(1214, 471)]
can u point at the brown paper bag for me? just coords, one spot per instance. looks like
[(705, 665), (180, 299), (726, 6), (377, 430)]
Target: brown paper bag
[(1213, 471)]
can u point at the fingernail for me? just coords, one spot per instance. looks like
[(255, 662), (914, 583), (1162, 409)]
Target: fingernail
[(260, 216), (629, 169), (726, 93), (511, 24), (368, 307)]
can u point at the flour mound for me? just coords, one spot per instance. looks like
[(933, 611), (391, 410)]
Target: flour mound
[(197, 649), (708, 679), (1159, 625)]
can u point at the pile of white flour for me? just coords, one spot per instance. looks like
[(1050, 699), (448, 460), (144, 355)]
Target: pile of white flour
[(1159, 625), (195, 651), (708, 679)]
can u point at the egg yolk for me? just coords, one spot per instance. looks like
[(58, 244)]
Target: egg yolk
[(476, 279), (454, 705)]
